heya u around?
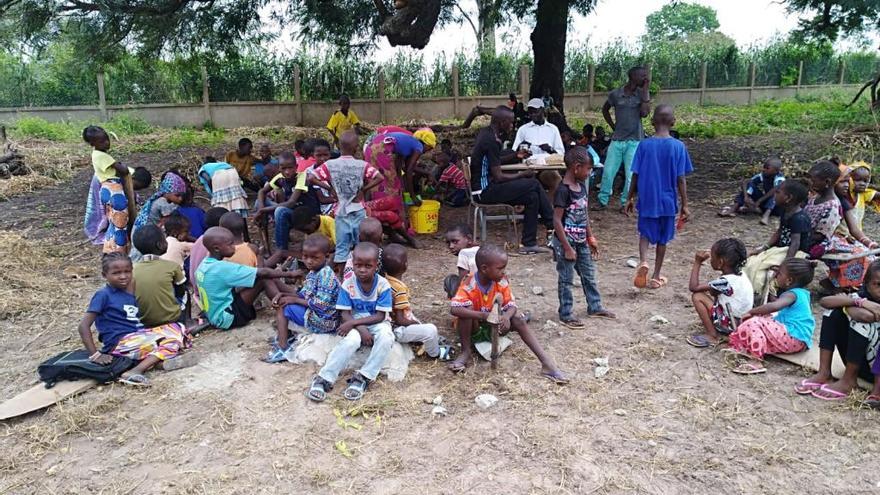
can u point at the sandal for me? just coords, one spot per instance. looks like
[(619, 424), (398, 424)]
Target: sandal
[(806, 387), (457, 366), (536, 249), (700, 341), (831, 395), (572, 323), (727, 211), (556, 377), (135, 380), (641, 278), (749, 369), (357, 385), (657, 283), (872, 401), (318, 390)]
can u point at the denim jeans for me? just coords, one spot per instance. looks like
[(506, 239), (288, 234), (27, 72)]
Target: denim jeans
[(426, 333), (383, 339), (283, 215), (585, 268), (347, 234), (619, 153)]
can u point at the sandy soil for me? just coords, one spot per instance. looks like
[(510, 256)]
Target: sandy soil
[(668, 418)]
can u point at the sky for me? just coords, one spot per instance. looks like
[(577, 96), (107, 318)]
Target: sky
[(746, 21)]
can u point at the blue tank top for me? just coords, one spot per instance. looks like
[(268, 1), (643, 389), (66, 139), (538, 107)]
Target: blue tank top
[(798, 318)]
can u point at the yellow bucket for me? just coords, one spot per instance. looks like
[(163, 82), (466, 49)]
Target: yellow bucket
[(426, 218)]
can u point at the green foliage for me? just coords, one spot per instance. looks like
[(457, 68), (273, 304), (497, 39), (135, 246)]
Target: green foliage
[(36, 127), (834, 18), (124, 124), (678, 20)]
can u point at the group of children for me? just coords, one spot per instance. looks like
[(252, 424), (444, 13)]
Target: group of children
[(352, 286)]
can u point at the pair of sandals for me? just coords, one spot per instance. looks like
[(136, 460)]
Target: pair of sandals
[(357, 386), (641, 279), (823, 392), (576, 324)]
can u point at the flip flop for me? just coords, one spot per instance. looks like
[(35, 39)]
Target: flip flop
[(806, 387), (641, 278), (135, 380), (573, 323), (700, 341), (832, 395), (872, 401), (556, 377), (749, 369), (657, 283), (457, 367)]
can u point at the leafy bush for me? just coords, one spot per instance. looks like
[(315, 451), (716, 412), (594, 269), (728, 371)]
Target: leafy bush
[(35, 127)]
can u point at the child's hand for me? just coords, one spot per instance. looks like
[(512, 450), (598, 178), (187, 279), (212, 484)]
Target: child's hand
[(504, 324), (685, 214), (343, 329), (873, 307), (594, 250), (701, 256), (101, 358), (570, 253), (630, 207), (366, 336)]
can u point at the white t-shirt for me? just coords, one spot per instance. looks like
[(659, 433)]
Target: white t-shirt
[(736, 292), (536, 135), (467, 259)]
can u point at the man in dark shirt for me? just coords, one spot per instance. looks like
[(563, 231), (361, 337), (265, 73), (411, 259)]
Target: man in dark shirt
[(491, 185)]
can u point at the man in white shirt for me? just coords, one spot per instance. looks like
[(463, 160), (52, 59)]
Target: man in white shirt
[(542, 137)]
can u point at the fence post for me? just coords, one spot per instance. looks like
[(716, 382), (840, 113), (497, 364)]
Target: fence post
[(800, 76), (591, 85), (703, 69), (381, 95), (455, 90), (842, 71), (102, 99), (524, 82), (752, 70), (297, 95), (206, 97)]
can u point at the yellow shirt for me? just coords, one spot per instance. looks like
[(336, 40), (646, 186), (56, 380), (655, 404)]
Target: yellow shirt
[(242, 164), (328, 229), (103, 165), (300, 182), (340, 123)]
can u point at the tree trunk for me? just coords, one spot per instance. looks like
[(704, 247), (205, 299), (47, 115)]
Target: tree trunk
[(548, 48), (487, 19)]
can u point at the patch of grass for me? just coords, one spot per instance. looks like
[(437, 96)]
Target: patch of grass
[(129, 125), (35, 127), (175, 139)]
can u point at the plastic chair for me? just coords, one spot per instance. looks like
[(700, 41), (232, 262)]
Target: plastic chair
[(481, 209)]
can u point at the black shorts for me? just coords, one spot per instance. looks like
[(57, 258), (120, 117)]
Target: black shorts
[(242, 312)]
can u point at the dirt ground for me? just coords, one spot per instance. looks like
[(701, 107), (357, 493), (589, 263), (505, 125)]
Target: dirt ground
[(667, 418)]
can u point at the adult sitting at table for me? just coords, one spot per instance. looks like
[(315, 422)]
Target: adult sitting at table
[(490, 185), (541, 138)]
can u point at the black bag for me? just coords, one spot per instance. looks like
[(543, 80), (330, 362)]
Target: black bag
[(74, 365)]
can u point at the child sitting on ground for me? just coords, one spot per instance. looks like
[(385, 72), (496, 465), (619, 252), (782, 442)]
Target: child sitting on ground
[(243, 162), (370, 231), (179, 241), (265, 165), (114, 312), (473, 303), (245, 252), (851, 324), (314, 307), (461, 243), (757, 194), (791, 239), (365, 301), (198, 252), (227, 291), (159, 283), (659, 168), (348, 179), (573, 243), (193, 212), (722, 302), (308, 222), (453, 184), (407, 328), (789, 331)]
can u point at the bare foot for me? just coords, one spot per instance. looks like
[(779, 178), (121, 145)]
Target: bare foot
[(460, 364)]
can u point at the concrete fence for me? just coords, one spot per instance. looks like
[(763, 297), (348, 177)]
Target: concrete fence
[(315, 114)]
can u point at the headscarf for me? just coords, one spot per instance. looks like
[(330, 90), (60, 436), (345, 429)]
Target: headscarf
[(171, 184), (426, 136)]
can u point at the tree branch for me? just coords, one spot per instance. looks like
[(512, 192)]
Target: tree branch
[(468, 18)]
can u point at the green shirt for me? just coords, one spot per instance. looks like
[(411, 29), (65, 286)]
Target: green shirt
[(154, 280)]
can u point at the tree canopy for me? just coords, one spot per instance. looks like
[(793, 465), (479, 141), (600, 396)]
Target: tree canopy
[(834, 18), (678, 20)]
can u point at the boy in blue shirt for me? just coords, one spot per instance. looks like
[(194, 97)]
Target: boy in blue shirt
[(365, 302), (757, 195), (659, 169)]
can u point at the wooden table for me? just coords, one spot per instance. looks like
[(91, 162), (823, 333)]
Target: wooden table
[(516, 167)]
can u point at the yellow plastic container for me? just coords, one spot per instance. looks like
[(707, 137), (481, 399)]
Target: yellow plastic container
[(426, 218)]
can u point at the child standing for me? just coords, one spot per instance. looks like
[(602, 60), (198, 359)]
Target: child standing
[(789, 332), (343, 120), (364, 302), (792, 238), (159, 283), (722, 302), (114, 312), (573, 243), (179, 241), (348, 178), (314, 307), (461, 243), (659, 169), (473, 303), (407, 328), (245, 252), (757, 195), (114, 198)]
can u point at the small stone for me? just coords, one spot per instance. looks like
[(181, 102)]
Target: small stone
[(485, 401), (537, 290), (652, 443), (620, 412), (714, 461), (560, 333), (54, 469), (550, 324), (437, 400), (439, 411), (659, 320), (632, 263)]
